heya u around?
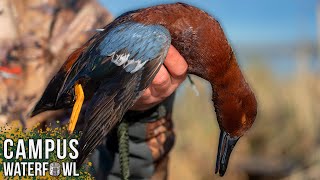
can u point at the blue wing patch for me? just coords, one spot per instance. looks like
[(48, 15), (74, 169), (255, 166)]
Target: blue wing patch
[(129, 46), (140, 43)]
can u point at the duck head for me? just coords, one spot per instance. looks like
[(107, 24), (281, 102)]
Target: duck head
[(201, 41), (48, 101), (236, 109)]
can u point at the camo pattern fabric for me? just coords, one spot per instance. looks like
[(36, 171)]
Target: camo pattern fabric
[(151, 137)]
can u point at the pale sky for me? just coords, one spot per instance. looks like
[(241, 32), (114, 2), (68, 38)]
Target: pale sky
[(247, 21)]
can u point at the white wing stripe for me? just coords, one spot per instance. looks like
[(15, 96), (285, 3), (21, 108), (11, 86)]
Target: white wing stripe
[(124, 61)]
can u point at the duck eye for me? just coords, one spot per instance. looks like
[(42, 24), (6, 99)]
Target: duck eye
[(244, 118)]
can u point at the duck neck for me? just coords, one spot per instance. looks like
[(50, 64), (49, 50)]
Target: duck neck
[(228, 84), (229, 90)]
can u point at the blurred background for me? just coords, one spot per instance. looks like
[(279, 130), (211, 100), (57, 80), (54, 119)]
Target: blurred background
[(277, 45)]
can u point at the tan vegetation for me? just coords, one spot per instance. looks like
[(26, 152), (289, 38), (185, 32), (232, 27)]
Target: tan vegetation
[(283, 142)]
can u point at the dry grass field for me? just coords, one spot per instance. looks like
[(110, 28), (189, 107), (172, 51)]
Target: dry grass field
[(283, 142)]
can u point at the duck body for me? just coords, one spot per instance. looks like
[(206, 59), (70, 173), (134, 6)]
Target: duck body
[(121, 61)]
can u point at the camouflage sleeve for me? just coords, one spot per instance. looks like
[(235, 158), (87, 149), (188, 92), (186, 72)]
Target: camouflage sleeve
[(151, 137)]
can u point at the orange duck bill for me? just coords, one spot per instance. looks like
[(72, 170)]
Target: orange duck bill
[(225, 147)]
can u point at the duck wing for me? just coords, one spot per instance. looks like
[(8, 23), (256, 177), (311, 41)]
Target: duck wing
[(125, 60)]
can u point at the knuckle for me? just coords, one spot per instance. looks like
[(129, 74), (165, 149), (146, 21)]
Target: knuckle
[(160, 80), (151, 101), (146, 94), (166, 94), (180, 72)]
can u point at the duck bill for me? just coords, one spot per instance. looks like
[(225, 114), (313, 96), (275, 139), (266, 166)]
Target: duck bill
[(226, 145), (39, 108), (35, 112)]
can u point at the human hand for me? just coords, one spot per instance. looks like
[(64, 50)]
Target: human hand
[(169, 77)]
